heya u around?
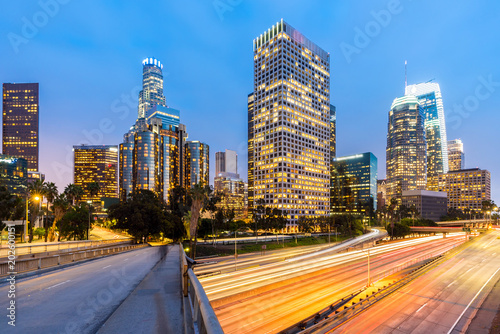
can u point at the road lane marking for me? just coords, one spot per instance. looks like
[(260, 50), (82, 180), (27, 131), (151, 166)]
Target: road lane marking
[(107, 266), (126, 259), (468, 305), (53, 286), (421, 307), (450, 284)]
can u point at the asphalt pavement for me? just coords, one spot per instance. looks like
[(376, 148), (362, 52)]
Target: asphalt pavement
[(77, 299)]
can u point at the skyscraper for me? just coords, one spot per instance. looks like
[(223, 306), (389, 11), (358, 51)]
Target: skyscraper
[(226, 162), (96, 163), (406, 148), (430, 99), (149, 155), (354, 184), (333, 133), (291, 130), (14, 174), (456, 156), (227, 181), (152, 86), (196, 164), (467, 189), (152, 154), (20, 122), (250, 171)]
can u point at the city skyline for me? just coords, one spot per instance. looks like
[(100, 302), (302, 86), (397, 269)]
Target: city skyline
[(88, 113)]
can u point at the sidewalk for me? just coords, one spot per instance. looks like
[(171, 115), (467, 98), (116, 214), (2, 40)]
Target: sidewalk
[(155, 306)]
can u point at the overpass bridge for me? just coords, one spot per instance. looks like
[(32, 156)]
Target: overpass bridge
[(446, 230), (473, 223)]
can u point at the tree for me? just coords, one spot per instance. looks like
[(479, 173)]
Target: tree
[(143, 215), (73, 193), (50, 191), (399, 231), (93, 188), (306, 224), (73, 225), (11, 207), (60, 206), (36, 191), (199, 198)]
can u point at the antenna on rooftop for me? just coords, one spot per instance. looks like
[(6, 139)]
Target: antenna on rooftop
[(406, 82)]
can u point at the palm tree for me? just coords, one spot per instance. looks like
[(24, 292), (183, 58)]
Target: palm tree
[(73, 192), (93, 189), (60, 207), (199, 196), (50, 191)]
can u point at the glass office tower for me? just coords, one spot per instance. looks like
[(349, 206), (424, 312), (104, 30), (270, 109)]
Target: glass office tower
[(96, 163), (406, 148), (250, 172), (354, 184), (20, 122), (430, 99), (196, 164), (152, 86), (291, 125), (14, 174), (456, 156)]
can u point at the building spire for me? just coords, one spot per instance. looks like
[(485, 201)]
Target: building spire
[(406, 82)]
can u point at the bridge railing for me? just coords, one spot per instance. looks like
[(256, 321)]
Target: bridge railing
[(203, 316), (62, 246), (20, 266)]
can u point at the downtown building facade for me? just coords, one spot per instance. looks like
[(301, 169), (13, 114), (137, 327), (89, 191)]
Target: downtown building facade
[(197, 162), (354, 184), (228, 184), (431, 102), (430, 204), (456, 155), (99, 164), (406, 153), (466, 189), (14, 174), (20, 134), (289, 124), (155, 154)]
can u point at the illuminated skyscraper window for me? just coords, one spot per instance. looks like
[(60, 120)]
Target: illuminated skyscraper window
[(152, 86), (406, 148), (431, 101), (291, 124), (20, 122)]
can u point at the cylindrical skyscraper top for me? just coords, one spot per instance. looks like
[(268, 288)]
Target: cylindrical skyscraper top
[(152, 61), (152, 86)]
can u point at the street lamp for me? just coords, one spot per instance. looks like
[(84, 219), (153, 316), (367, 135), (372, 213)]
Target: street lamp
[(26, 222), (88, 228)]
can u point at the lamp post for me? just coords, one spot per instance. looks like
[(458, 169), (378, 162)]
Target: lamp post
[(88, 227)]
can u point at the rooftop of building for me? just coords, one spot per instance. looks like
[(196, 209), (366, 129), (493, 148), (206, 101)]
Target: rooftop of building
[(94, 147), (407, 99), (283, 26), (466, 170), (356, 156), (152, 62), (425, 193)]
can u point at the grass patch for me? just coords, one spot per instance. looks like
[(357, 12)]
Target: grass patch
[(222, 250)]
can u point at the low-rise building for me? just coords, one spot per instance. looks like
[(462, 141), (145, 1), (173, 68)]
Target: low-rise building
[(429, 204)]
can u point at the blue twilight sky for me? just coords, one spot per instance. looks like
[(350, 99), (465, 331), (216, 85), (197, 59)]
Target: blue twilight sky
[(87, 56)]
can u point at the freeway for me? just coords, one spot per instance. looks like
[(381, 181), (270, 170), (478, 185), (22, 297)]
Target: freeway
[(272, 297), (444, 300), (227, 263), (77, 299)]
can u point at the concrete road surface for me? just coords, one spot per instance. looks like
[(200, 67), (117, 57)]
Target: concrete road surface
[(76, 299)]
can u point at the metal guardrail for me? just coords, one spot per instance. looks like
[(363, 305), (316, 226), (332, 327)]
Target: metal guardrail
[(58, 246), (22, 266), (203, 316)]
